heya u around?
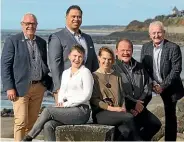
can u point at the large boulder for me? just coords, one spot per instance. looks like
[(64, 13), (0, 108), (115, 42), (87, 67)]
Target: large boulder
[(7, 112), (157, 108), (88, 132), (180, 137)]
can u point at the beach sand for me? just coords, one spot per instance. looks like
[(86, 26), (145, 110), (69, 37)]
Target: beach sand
[(6, 127), (7, 130)]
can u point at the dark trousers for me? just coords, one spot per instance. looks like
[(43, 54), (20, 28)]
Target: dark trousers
[(123, 121), (170, 118), (147, 124)]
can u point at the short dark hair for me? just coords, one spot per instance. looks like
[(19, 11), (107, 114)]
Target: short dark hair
[(73, 7), (126, 40), (79, 48)]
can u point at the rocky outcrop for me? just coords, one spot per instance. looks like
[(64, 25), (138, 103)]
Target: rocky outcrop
[(7, 112), (88, 132), (158, 109), (180, 137), (137, 37), (136, 25)]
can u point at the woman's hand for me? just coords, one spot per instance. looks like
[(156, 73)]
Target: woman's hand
[(59, 105), (117, 109)]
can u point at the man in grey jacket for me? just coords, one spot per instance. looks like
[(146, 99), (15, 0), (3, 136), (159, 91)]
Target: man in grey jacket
[(163, 61), (137, 85), (61, 42)]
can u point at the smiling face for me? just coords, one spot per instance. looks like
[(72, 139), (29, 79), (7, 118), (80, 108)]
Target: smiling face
[(124, 51), (157, 34), (105, 61), (74, 19), (76, 58), (29, 24)]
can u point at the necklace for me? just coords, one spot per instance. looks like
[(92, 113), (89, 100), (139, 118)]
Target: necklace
[(107, 77)]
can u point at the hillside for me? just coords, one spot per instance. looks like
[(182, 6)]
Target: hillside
[(101, 27), (138, 31), (167, 21)]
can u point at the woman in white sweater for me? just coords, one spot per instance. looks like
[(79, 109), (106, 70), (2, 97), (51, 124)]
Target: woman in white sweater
[(73, 99)]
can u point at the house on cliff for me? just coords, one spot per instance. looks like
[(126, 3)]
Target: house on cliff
[(177, 13)]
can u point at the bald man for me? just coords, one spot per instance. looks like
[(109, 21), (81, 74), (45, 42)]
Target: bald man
[(24, 70)]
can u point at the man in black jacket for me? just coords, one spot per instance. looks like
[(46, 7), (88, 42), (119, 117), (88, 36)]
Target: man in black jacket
[(163, 61), (136, 84)]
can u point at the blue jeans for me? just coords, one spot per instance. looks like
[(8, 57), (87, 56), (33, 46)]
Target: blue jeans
[(52, 117)]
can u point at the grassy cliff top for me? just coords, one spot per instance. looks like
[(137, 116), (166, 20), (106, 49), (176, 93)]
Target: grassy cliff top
[(169, 20)]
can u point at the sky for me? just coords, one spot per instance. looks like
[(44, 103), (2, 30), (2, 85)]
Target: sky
[(51, 13)]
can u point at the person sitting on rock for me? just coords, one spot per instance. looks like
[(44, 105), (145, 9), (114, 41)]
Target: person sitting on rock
[(73, 99), (107, 101), (137, 84)]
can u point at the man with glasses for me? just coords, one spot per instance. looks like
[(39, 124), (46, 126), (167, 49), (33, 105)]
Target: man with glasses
[(163, 61), (24, 70), (61, 42), (136, 85)]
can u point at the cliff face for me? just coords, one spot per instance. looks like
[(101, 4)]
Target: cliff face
[(167, 21)]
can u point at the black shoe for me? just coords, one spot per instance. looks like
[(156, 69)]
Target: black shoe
[(27, 138)]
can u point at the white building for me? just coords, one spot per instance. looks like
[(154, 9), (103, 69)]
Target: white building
[(177, 12)]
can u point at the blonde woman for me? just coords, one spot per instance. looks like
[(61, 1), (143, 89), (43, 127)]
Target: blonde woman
[(73, 99)]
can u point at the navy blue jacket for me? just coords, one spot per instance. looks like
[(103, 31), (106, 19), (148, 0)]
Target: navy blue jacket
[(16, 65)]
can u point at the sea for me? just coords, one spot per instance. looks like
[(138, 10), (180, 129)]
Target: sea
[(48, 100)]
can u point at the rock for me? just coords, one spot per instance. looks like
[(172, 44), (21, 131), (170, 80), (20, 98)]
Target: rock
[(180, 118), (88, 132), (180, 137), (157, 108), (7, 113), (159, 111), (180, 105), (159, 134)]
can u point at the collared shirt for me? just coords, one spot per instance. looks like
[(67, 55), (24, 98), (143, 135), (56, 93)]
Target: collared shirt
[(80, 40), (157, 51), (35, 58)]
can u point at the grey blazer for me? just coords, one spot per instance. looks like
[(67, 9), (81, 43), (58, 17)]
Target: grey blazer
[(16, 66), (59, 47), (170, 68)]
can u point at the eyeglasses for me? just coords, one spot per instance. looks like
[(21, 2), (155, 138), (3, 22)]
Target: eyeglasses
[(29, 23), (156, 33)]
